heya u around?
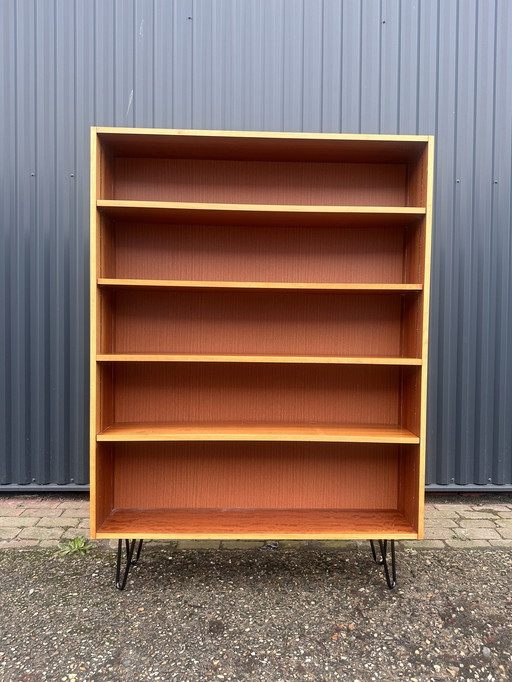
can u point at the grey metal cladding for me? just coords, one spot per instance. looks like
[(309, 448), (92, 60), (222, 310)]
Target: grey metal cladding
[(369, 66)]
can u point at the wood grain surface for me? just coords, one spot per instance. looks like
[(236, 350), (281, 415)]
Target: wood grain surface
[(263, 525), (260, 182), (263, 322)]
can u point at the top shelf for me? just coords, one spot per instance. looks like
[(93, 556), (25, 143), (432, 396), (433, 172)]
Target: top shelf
[(257, 214), (264, 146)]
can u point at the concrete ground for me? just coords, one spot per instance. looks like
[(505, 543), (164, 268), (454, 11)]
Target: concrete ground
[(456, 522)]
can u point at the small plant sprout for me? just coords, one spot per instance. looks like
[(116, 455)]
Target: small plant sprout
[(75, 546)]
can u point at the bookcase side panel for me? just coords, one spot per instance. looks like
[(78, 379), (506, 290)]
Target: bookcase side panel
[(409, 474)]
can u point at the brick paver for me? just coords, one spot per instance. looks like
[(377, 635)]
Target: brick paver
[(455, 521)]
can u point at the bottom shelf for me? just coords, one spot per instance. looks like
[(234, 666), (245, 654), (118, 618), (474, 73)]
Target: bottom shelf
[(256, 524)]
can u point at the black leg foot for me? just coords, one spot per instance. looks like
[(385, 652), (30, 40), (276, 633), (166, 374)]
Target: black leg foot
[(130, 561), (383, 561)]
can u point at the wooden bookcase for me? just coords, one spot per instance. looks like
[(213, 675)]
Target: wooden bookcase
[(259, 317)]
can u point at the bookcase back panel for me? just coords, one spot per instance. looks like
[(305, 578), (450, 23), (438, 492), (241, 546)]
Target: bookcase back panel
[(260, 254), (249, 182), (216, 392), (245, 475), (296, 323)]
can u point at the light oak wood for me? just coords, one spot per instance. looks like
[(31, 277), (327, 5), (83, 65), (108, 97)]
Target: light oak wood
[(429, 156), (218, 213), (268, 146), (95, 518), (259, 318), (313, 286), (272, 359), (204, 431), (258, 524)]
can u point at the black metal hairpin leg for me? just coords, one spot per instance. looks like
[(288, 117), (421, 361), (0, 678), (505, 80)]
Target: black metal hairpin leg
[(130, 561), (383, 561)]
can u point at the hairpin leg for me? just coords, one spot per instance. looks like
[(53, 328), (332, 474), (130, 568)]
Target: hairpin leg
[(130, 561), (383, 561)]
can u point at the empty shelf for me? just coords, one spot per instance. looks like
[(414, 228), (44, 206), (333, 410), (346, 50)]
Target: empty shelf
[(259, 214), (327, 433), (202, 284), (249, 358), (256, 524)]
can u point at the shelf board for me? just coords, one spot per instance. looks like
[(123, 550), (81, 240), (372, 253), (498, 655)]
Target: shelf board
[(256, 524), (320, 433), (217, 284), (271, 359), (260, 214), (262, 146)]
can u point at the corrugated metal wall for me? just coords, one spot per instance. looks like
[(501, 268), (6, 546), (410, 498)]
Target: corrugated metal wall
[(372, 66)]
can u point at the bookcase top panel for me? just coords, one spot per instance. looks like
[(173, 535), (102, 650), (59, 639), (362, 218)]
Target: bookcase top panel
[(268, 146)]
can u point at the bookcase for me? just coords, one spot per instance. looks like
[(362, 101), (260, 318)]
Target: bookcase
[(259, 334)]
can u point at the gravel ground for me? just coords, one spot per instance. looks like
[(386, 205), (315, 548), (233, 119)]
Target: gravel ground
[(274, 615)]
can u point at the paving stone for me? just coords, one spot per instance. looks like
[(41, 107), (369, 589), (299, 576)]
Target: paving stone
[(478, 515), (241, 544), (18, 500), (71, 533), (505, 514), (10, 511), (501, 543), (198, 544), (476, 533), (331, 544), (38, 533), (441, 523), (45, 512), (438, 512), (439, 533), (81, 513), (450, 507), (18, 544), (41, 503), (84, 523), (60, 522), (75, 504), (505, 523), (8, 533), (18, 521), (423, 544), (159, 545), (467, 544), (505, 532), (10, 501), (49, 543), (492, 507), (477, 523), (294, 544)]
